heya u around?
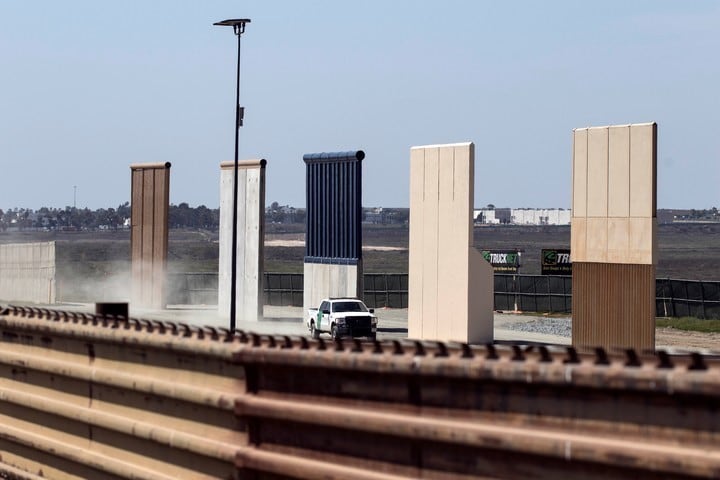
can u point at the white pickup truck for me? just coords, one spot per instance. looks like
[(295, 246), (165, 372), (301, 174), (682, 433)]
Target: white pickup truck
[(342, 317)]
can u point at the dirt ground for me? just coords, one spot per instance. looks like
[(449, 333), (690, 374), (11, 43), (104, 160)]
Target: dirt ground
[(680, 339)]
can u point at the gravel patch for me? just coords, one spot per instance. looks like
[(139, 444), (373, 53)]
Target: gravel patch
[(550, 326)]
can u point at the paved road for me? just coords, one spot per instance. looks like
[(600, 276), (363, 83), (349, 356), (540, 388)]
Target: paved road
[(392, 323)]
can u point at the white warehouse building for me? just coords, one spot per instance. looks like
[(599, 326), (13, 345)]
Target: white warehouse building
[(522, 216)]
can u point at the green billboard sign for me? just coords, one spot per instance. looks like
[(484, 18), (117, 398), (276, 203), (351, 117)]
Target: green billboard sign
[(503, 261), (555, 261)]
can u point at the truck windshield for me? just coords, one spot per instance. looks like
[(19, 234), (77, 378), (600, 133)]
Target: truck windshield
[(349, 307)]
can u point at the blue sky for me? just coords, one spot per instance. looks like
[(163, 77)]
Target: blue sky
[(87, 88)]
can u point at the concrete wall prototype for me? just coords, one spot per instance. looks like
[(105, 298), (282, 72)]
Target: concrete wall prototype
[(250, 239), (450, 284), (27, 272), (149, 233), (333, 233), (613, 236)]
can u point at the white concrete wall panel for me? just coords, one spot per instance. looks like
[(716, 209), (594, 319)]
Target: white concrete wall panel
[(327, 280), (250, 239), (27, 272), (450, 284)]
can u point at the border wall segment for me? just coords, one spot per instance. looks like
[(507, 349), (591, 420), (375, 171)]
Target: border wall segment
[(150, 202), (450, 284), (333, 234), (27, 272), (613, 235), (250, 236)]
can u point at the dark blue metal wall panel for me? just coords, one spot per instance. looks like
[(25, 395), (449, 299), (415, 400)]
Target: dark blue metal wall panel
[(333, 200)]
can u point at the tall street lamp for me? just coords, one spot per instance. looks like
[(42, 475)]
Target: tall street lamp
[(238, 25)]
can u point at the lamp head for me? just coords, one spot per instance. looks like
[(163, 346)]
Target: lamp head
[(238, 24)]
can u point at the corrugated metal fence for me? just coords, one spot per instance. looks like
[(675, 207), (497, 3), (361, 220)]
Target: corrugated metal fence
[(105, 397), (530, 293)]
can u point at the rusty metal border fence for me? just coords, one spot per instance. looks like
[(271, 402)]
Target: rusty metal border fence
[(87, 396), (530, 293)]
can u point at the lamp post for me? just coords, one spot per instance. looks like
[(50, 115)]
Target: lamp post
[(238, 25)]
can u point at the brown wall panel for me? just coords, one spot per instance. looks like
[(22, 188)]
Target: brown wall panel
[(611, 305), (149, 233)]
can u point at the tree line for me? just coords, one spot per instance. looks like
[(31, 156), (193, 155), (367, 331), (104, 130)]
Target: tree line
[(179, 216), (85, 219)]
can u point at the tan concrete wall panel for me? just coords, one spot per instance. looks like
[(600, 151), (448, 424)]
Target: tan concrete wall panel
[(597, 239), (642, 245), (150, 194), (578, 238), (27, 272), (597, 172), (579, 170), (450, 284), (643, 177), (619, 171), (250, 238), (416, 239), (618, 240), (617, 183)]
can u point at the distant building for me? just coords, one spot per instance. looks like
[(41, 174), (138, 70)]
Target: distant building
[(522, 216), (492, 216)]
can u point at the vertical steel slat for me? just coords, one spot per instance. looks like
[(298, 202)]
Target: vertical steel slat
[(343, 207), (308, 209), (334, 203), (358, 210), (337, 211)]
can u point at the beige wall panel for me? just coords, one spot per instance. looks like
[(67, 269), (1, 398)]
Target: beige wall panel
[(450, 284), (250, 241), (618, 240), (27, 272), (430, 252), (619, 172), (642, 234), (643, 170), (579, 173), (480, 298), (597, 172), (415, 257), (597, 239), (464, 193), (578, 239)]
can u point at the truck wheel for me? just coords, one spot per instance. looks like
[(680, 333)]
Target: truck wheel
[(313, 331), (334, 333)]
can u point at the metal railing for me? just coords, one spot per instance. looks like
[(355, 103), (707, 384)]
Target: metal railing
[(87, 396)]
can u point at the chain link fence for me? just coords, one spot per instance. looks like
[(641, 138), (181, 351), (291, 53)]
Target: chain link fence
[(528, 293)]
